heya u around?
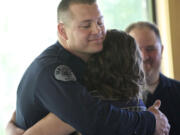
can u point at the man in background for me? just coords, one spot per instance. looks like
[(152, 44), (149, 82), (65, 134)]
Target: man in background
[(158, 86)]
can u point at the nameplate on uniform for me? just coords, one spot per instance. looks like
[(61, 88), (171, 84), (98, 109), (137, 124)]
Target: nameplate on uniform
[(64, 73)]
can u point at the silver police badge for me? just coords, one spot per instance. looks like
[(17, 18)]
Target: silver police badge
[(64, 73)]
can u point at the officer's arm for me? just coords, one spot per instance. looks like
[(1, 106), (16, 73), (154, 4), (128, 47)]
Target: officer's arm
[(71, 102), (49, 125)]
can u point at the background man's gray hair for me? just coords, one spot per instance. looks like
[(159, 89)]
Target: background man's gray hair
[(142, 24)]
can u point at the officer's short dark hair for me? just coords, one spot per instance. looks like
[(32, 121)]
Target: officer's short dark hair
[(143, 24), (116, 73), (64, 5)]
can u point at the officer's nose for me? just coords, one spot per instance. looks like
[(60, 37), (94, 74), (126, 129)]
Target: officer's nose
[(96, 29)]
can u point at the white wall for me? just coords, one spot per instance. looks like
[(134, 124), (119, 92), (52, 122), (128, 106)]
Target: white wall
[(27, 27)]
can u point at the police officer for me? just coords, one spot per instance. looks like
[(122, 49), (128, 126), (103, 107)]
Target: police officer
[(52, 83)]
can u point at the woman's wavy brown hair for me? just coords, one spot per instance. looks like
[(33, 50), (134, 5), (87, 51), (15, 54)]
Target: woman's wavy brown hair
[(116, 73)]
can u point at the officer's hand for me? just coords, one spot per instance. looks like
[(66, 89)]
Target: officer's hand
[(11, 128), (162, 125)]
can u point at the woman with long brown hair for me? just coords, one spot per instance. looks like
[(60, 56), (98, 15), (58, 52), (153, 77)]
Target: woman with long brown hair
[(116, 73), (113, 75)]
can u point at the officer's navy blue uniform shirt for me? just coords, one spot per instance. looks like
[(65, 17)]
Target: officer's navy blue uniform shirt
[(52, 83), (168, 91)]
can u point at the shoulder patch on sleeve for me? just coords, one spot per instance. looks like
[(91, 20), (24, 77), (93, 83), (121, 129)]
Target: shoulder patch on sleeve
[(64, 73)]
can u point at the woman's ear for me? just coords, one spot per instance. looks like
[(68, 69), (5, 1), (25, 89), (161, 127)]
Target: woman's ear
[(62, 31)]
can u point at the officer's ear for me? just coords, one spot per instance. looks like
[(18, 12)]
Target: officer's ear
[(162, 48), (61, 31)]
